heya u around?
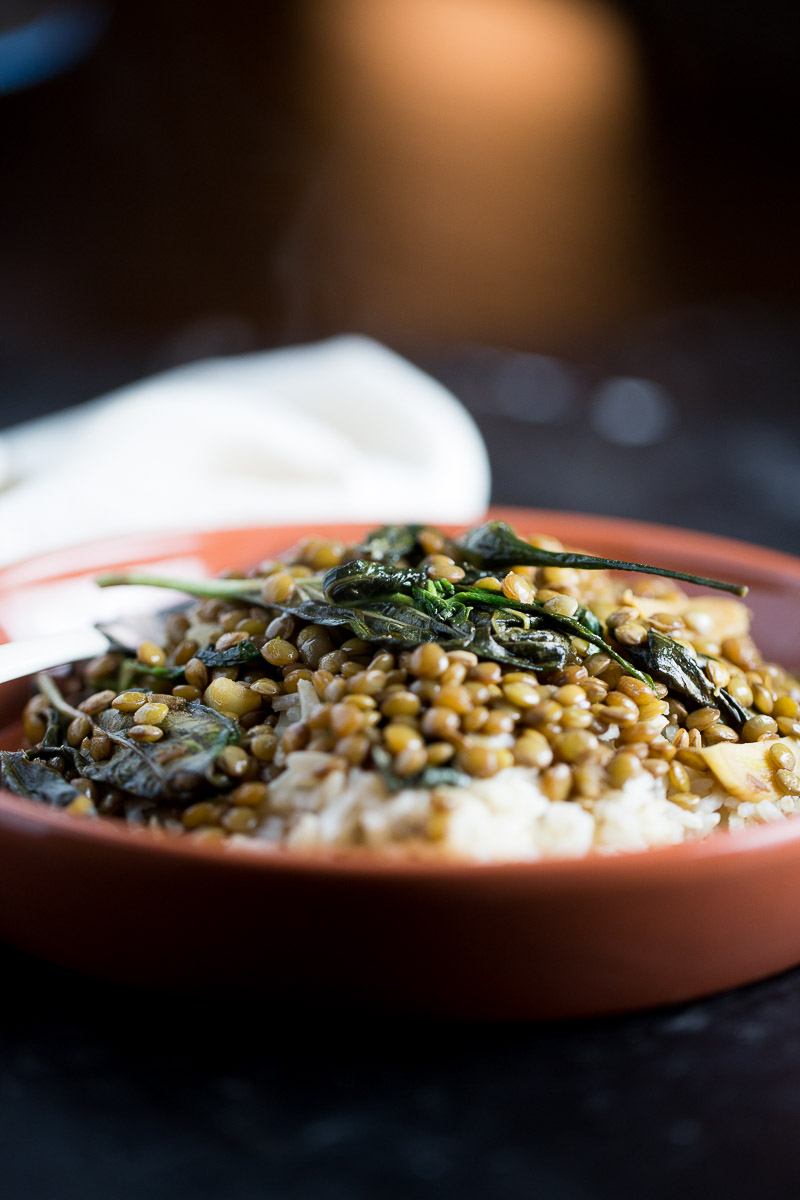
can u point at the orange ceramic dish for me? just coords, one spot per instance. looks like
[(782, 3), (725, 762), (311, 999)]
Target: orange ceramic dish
[(549, 939)]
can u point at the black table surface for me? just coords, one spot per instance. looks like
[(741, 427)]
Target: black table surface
[(108, 1092), (111, 1093)]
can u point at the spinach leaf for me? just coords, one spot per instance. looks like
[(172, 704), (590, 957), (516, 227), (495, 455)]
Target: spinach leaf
[(494, 546), (356, 581), (569, 625), (26, 777), (52, 738), (395, 620), (173, 767), (672, 664), (432, 611), (235, 656), (131, 669), (428, 777), (528, 649), (392, 542), (433, 600)]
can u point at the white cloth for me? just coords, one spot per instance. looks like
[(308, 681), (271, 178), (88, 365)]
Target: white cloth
[(340, 430)]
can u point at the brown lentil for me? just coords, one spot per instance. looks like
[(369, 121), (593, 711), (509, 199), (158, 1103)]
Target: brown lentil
[(279, 653), (440, 723), (205, 812), (741, 652), (129, 701), (138, 733), (401, 737), (574, 717), (455, 696), (439, 753), (702, 718), (576, 745), (631, 633), (278, 588), (361, 700), (596, 664), (719, 733), (718, 673), (687, 800), (754, 729), (368, 683), (196, 674), (556, 782), (562, 606), (81, 806), (150, 714), (740, 689), (588, 780), (151, 655), (234, 761), (346, 719), (78, 729), (532, 749), (635, 689), (354, 748), (240, 819), (97, 703), (690, 758), (428, 661), (621, 700), (263, 747), (226, 695), (623, 766), (516, 587), (102, 667), (788, 782), (781, 756), (410, 760), (475, 719)]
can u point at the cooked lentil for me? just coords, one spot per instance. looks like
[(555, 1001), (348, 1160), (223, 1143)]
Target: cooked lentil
[(589, 747)]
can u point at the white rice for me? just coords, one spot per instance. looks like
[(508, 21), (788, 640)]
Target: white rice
[(316, 802)]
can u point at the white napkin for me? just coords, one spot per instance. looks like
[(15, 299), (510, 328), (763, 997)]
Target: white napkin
[(340, 430)]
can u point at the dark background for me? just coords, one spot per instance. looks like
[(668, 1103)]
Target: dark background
[(159, 204), (154, 209), (113, 1093)]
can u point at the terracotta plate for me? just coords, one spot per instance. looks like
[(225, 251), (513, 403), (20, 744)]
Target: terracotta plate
[(555, 939)]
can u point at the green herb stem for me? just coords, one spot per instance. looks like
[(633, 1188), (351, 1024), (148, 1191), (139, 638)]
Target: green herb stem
[(203, 588), (495, 545)]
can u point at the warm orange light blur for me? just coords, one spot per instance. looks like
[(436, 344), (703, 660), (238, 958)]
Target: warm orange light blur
[(483, 176)]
